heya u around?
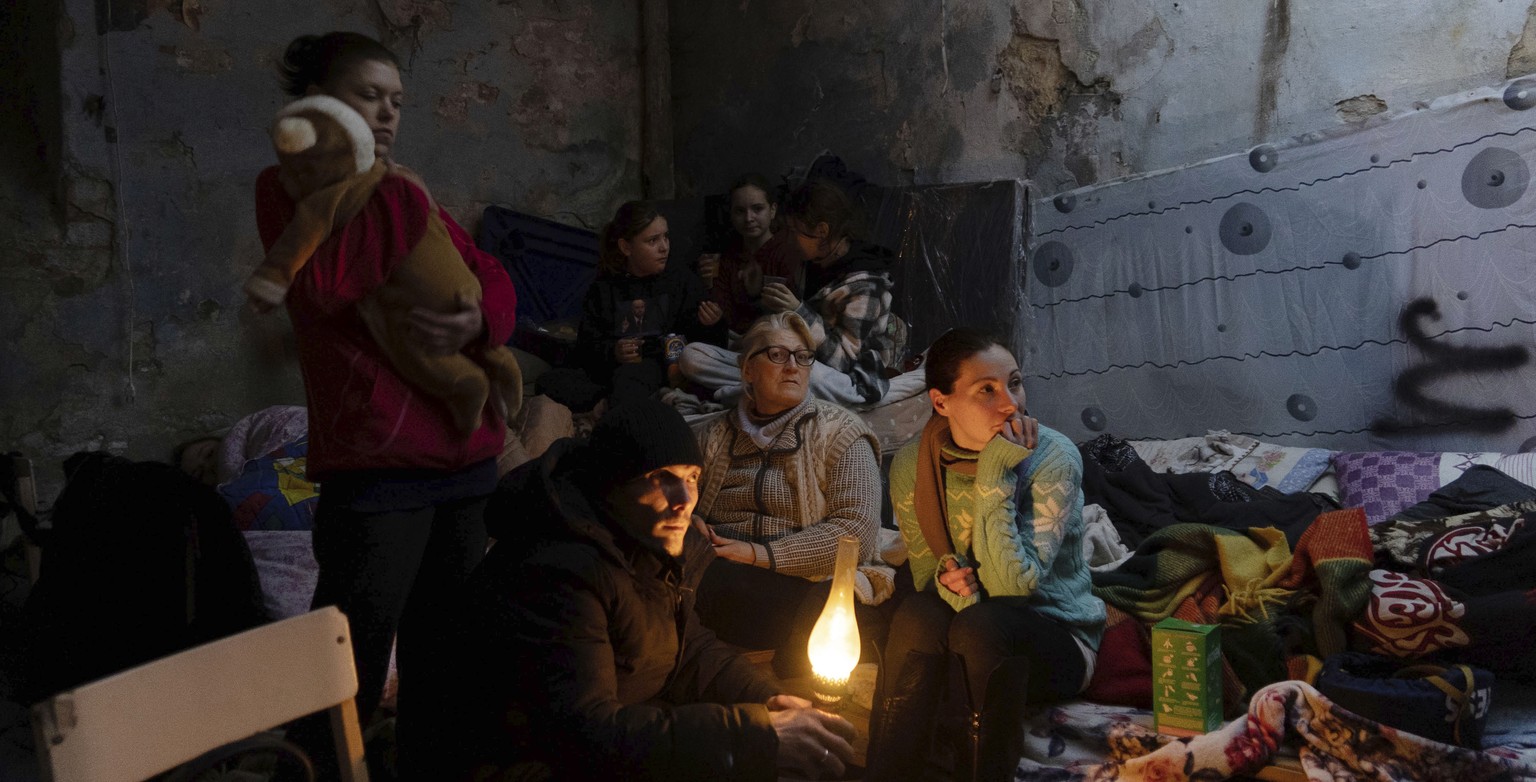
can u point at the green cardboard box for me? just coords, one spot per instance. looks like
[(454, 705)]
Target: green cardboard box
[(1186, 677)]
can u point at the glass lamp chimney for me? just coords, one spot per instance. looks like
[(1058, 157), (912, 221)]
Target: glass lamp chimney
[(834, 647)]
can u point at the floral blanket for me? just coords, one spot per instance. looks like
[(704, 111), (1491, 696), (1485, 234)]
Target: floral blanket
[(1334, 745)]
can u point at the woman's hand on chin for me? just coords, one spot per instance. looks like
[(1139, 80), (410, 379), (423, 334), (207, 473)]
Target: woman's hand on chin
[(1021, 429)]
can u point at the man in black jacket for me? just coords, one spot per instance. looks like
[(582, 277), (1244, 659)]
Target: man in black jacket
[(584, 658)]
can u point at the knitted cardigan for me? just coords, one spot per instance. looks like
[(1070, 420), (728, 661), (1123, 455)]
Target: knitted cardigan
[(799, 528), (1020, 523)]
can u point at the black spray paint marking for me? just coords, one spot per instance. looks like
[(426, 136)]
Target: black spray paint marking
[(1442, 361)]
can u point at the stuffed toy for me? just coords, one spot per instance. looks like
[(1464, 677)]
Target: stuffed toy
[(327, 165)]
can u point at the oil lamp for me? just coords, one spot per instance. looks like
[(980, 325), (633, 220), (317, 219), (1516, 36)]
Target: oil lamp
[(834, 646)]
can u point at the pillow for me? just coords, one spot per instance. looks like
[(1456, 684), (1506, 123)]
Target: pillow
[(1255, 463), (1385, 482), (1287, 469), (1520, 466)]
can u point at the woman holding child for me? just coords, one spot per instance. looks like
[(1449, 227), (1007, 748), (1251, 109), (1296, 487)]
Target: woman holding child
[(400, 522), (784, 477), (992, 513)]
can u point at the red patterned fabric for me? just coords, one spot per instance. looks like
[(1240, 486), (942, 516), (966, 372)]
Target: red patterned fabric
[(1460, 544), (1410, 617)]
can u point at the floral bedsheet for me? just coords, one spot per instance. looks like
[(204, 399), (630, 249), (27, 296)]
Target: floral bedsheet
[(1081, 741)]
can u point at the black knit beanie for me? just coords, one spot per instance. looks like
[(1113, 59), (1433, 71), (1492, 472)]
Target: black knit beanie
[(636, 438)]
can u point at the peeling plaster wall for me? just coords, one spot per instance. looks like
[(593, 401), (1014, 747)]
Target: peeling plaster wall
[(1066, 92), (122, 312)]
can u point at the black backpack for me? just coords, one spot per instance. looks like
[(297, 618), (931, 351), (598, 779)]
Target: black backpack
[(141, 561)]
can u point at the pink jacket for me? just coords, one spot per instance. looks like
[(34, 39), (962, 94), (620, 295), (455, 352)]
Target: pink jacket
[(363, 416)]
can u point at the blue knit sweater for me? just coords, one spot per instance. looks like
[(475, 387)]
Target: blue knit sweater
[(1019, 520)]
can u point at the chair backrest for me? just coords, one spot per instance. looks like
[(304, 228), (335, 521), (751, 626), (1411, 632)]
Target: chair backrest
[(148, 719)]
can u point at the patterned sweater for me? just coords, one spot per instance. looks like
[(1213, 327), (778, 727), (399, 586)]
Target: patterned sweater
[(1019, 520), (819, 479)]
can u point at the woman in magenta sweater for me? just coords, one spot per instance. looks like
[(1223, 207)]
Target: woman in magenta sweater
[(400, 523)]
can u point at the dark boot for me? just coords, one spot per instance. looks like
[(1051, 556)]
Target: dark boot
[(901, 722), (994, 739)]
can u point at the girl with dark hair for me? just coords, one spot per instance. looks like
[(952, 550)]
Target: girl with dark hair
[(736, 275), (400, 522), (859, 342), (635, 301), (991, 508)]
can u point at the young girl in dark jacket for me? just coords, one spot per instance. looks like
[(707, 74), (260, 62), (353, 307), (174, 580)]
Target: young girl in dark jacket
[(637, 299)]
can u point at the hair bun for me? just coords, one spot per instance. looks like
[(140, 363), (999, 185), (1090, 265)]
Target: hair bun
[(302, 50)]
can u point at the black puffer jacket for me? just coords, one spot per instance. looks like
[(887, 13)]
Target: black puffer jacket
[(583, 653)]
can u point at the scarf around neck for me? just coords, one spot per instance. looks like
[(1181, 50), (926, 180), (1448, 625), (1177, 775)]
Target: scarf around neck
[(928, 497), (763, 433)]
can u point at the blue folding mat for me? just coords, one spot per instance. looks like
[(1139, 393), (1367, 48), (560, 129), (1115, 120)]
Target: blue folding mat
[(550, 263)]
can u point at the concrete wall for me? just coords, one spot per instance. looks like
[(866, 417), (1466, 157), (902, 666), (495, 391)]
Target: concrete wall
[(132, 130), (1066, 92), (121, 308)]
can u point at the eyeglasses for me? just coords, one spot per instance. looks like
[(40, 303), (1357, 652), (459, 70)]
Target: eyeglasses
[(780, 355)]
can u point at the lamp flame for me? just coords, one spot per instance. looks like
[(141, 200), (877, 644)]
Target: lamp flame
[(834, 646)]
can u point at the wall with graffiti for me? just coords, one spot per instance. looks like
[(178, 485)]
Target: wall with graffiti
[(1367, 289)]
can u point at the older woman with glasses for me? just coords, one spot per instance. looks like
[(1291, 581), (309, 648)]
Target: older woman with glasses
[(784, 477)]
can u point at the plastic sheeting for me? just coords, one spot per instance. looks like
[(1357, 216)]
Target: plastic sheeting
[(1373, 289)]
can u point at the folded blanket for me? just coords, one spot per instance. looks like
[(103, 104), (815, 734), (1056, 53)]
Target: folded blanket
[(1208, 575), (1479, 488)]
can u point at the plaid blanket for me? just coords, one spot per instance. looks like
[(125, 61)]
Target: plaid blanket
[(1247, 581)]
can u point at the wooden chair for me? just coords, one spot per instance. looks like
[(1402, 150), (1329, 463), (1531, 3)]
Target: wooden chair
[(152, 718)]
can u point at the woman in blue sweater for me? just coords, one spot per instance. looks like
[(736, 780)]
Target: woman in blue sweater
[(992, 512)]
